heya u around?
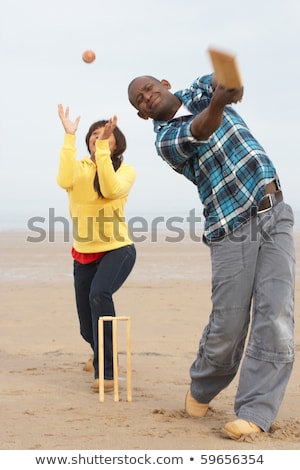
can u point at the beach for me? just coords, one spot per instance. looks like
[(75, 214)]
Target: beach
[(47, 401)]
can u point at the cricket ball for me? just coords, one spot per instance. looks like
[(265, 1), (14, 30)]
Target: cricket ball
[(88, 56)]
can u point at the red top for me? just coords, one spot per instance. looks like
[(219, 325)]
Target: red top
[(86, 258)]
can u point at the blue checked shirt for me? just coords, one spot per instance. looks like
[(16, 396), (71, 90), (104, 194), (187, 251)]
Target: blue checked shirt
[(230, 169)]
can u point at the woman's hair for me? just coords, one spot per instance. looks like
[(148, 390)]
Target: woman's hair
[(116, 156)]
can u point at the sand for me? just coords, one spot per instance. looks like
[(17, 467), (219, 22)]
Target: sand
[(46, 396)]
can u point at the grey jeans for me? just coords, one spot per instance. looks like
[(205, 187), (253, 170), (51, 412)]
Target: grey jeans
[(251, 325)]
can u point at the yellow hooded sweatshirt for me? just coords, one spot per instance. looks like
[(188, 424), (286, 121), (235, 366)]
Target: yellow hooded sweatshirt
[(98, 223)]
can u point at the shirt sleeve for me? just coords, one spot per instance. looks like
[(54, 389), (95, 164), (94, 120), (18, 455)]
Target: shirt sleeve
[(204, 84), (66, 164), (113, 184)]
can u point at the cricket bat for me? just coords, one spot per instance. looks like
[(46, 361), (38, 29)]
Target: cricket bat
[(225, 68)]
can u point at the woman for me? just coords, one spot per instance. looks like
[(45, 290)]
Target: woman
[(103, 252)]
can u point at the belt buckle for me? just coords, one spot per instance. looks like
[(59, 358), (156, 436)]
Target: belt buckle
[(270, 206)]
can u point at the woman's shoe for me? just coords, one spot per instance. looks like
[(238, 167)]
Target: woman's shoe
[(88, 366), (108, 385)]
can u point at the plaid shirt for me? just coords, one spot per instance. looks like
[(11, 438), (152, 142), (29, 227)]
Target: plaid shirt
[(230, 169)]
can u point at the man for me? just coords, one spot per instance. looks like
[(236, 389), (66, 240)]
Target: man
[(248, 228)]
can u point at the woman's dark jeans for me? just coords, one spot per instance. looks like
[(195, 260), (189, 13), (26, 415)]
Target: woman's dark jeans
[(95, 283)]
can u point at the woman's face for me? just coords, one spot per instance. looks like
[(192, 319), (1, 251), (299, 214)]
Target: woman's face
[(97, 135)]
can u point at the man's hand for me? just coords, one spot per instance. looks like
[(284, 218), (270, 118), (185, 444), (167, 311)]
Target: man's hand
[(224, 96)]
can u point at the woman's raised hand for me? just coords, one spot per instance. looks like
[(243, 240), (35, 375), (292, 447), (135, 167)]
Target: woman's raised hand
[(70, 127), (107, 130)]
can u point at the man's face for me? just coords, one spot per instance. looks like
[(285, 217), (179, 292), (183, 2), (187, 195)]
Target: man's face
[(151, 98)]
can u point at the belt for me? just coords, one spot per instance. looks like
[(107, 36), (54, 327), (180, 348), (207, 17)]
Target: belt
[(269, 201)]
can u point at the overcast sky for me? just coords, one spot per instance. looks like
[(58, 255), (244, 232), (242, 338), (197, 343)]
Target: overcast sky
[(41, 43)]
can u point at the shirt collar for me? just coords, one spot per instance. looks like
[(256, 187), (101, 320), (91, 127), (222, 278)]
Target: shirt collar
[(182, 111)]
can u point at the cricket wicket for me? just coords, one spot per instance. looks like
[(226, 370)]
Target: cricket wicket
[(114, 321)]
